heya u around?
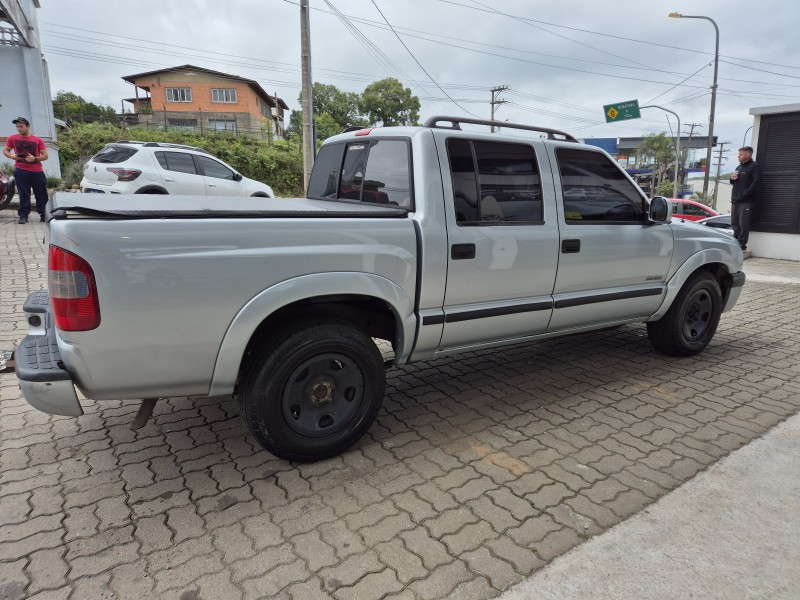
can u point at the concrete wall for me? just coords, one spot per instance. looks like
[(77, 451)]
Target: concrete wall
[(26, 93)]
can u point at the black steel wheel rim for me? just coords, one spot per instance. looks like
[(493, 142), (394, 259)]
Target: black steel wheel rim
[(698, 315), (322, 395)]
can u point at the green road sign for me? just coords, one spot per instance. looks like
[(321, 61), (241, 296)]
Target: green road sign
[(622, 111)]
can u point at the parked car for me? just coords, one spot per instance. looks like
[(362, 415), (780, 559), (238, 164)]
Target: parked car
[(129, 167), (690, 210), (721, 222), (7, 189)]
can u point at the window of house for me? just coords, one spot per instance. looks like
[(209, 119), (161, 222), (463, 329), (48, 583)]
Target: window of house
[(212, 168), (494, 183), (595, 189), (226, 95), (185, 124), (222, 125), (179, 94), (182, 162)]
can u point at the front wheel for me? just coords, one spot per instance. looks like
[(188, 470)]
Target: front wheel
[(313, 390), (692, 320)]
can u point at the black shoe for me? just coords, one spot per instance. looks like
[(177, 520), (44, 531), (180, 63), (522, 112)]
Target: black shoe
[(41, 218), (22, 220)]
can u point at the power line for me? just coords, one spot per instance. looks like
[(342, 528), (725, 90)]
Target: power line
[(416, 61)]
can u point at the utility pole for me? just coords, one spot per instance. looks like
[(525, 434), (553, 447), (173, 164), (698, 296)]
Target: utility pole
[(309, 143), (719, 167), (688, 148), (495, 101)]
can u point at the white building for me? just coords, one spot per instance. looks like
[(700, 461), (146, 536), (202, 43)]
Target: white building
[(25, 81)]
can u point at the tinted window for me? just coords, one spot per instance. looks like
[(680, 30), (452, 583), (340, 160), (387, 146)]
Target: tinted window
[(326, 172), (114, 154), (507, 187), (595, 189), (176, 161), (212, 168), (387, 178), (355, 165), (375, 171), (695, 211)]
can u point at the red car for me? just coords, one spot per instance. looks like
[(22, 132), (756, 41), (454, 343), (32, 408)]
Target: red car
[(689, 210)]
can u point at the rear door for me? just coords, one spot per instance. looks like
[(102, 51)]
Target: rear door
[(613, 262), (219, 178), (179, 173), (502, 238)]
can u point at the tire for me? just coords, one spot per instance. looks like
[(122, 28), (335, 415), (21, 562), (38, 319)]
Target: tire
[(692, 320), (313, 390), (5, 201)]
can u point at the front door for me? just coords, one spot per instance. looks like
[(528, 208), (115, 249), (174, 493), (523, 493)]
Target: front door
[(613, 262), (502, 240), (219, 179)]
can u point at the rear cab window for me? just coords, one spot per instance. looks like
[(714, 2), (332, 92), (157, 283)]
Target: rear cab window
[(114, 154), (376, 171)]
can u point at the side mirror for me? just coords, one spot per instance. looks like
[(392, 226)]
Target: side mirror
[(237, 176), (660, 210)]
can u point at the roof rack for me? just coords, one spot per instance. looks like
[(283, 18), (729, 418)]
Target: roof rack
[(166, 145), (455, 123)]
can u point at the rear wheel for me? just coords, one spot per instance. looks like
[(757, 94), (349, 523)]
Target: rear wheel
[(692, 320), (313, 390)]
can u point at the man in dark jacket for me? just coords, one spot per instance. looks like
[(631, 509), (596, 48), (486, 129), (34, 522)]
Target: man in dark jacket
[(745, 180)]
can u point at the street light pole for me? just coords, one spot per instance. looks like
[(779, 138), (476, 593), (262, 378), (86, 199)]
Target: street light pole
[(744, 139), (713, 98), (677, 147)]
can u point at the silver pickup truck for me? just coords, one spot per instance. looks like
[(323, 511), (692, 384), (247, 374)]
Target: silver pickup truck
[(437, 239)]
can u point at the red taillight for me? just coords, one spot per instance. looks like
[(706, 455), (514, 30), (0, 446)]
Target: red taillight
[(73, 292), (364, 131), (124, 174)]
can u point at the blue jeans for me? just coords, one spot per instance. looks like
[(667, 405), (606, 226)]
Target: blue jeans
[(26, 180)]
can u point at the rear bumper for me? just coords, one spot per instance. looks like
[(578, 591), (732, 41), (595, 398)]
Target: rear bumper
[(45, 384)]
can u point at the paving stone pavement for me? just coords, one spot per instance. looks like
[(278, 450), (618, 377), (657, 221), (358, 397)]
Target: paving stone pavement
[(479, 470)]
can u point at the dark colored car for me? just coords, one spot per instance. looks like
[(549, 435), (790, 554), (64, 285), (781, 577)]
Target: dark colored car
[(722, 222), (7, 188)]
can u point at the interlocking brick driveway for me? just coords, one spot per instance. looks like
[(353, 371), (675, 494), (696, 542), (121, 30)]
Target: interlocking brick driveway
[(479, 471)]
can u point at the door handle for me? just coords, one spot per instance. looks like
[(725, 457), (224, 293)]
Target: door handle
[(570, 246), (462, 251), (212, 185), (170, 179)]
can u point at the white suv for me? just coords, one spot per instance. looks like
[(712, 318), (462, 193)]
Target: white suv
[(128, 167)]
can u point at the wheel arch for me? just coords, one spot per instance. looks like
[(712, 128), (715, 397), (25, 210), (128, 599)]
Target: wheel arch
[(260, 195), (381, 308), (151, 189), (714, 261)]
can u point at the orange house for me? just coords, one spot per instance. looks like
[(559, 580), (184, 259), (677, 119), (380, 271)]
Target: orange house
[(198, 99)]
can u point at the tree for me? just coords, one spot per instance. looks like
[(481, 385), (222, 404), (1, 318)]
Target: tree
[(75, 109), (661, 149), (342, 107), (387, 102)]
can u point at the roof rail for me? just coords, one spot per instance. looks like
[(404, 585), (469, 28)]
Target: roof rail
[(182, 146), (128, 142), (455, 123)]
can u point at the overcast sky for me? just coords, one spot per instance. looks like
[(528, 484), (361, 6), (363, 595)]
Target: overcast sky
[(562, 61)]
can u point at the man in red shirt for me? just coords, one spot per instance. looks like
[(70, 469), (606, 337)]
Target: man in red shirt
[(29, 152)]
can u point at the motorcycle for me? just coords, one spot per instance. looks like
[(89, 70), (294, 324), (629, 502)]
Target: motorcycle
[(7, 189)]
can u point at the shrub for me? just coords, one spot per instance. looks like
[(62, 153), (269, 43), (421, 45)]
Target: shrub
[(54, 182), (73, 172)]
